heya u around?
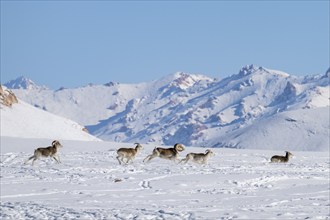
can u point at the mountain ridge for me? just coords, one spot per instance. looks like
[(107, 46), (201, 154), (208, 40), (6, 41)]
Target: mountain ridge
[(23, 83), (193, 109)]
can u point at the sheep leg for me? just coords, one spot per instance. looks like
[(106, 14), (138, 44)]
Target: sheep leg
[(34, 159), (176, 160), (119, 160), (150, 157), (146, 159), (130, 160), (58, 158), (55, 159), (185, 160), (30, 158), (204, 163)]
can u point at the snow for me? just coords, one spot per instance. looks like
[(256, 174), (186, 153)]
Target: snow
[(298, 130), (24, 83), (319, 97), (201, 111), (258, 111), (90, 184), (24, 120)]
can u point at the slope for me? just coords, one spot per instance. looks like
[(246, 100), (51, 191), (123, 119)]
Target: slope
[(24, 120)]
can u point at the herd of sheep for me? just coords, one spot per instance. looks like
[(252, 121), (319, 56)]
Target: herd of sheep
[(127, 155)]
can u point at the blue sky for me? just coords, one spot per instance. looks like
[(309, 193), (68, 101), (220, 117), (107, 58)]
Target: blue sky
[(73, 43)]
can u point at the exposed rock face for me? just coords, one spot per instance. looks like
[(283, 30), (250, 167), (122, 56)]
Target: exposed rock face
[(7, 97), (85, 130)]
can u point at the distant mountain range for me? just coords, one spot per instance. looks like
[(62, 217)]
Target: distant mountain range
[(256, 108)]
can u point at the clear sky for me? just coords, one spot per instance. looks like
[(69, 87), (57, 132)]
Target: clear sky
[(73, 43)]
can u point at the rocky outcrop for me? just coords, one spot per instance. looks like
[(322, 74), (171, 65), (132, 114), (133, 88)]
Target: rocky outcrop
[(85, 130), (7, 97)]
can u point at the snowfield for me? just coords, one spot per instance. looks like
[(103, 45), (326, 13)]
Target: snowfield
[(90, 184)]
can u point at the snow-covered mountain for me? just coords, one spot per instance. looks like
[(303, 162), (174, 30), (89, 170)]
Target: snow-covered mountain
[(23, 120), (256, 108), (23, 83)]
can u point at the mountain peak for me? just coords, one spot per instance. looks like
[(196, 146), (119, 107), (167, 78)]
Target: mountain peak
[(23, 83), (327, 73), (253, 69), (248, 69), (186, 80), (181, 80), (110, 84)]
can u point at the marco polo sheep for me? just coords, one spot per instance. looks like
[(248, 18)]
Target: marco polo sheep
[(281, 159), (50, 151), (198, 157), (166, 153), (128, 153)]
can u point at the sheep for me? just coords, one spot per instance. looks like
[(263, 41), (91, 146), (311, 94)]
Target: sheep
[(198, 157), (128, 153), (50, 151), (281, 159), (166, 153)]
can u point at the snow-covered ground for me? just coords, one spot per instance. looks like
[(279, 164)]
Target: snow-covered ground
[(90, 184)]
